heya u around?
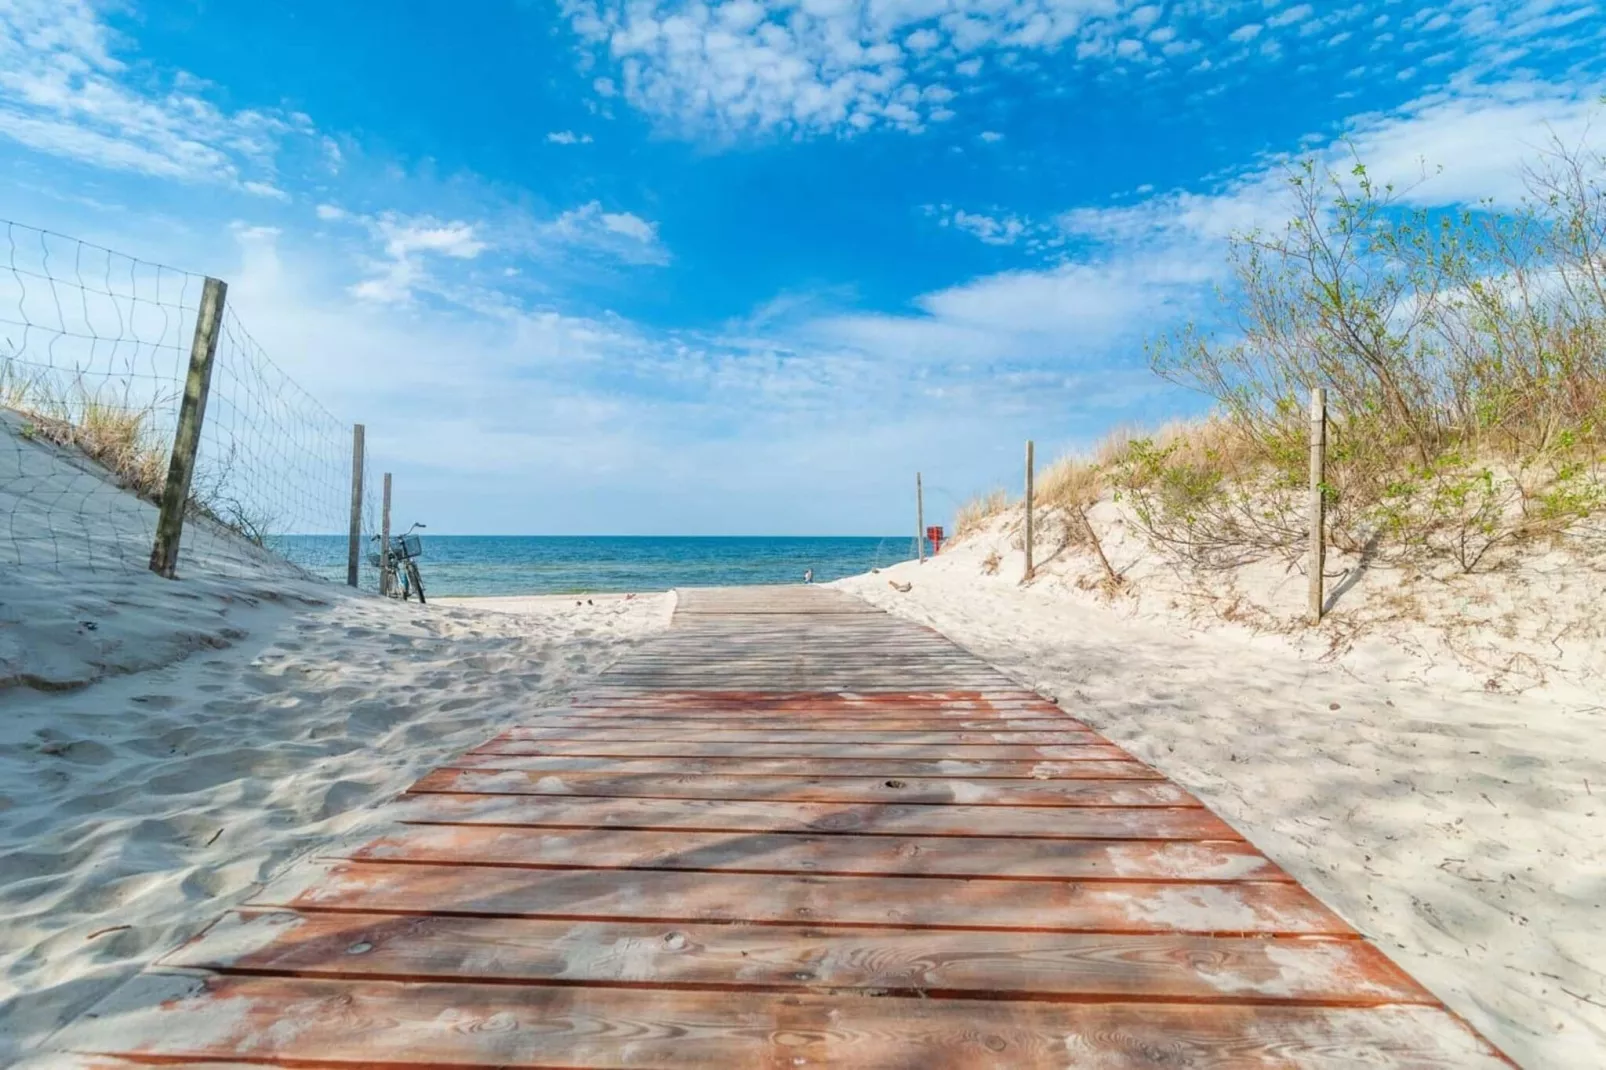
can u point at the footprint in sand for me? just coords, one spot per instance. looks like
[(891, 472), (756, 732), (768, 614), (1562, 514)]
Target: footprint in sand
[(342, 796)]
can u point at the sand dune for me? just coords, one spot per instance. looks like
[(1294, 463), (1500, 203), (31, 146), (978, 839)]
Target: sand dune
[(165, 746), (133, 810), (1460, 829)]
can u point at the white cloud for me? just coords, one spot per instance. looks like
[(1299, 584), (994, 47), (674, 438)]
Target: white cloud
[(991, 136), (568, 137), (1292, 15), (64, 93), (566, 406), (631, 226), (408, 243), (1122, 273), (404, 237), (622, 235), (330, 213), (265, 189), (1002, 229), (1466, 147), (843, 66), (821, 64)]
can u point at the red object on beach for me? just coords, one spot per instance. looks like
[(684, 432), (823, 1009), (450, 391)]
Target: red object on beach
[(935, 535)]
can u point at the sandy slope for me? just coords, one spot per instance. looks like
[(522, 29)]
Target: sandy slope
[(133, 810), (1464, 831), (164, 745)]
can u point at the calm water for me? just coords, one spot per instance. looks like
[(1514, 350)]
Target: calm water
[(541, 564)]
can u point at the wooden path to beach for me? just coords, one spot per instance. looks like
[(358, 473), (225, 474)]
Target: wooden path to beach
[(792, 831)]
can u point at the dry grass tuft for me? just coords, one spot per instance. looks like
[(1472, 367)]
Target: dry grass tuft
[(121, 439), (975, 513)]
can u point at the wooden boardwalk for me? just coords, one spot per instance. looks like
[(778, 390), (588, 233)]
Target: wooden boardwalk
[(792, 831)]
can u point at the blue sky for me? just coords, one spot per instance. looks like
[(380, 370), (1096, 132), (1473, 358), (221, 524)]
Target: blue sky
[(744, 267)]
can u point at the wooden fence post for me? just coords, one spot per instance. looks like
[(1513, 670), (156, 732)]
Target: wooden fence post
[(1029, 461), (920, 519), (1318, 504), (384, 541), (354, 544), (187, 437)]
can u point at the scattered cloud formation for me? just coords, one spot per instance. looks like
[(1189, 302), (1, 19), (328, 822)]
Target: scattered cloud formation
[(623, 235), (408, 245), (63, 93), (997, 228), (484, 304), (732, 67), (265, 189)]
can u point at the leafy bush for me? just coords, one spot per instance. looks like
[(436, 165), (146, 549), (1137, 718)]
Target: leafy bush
[(1464, 356)]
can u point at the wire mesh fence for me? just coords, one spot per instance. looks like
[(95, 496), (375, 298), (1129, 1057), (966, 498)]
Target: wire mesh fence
[(94, 352)]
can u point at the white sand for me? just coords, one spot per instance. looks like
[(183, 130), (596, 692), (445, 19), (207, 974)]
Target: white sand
[(166, 746), (1463, 830)]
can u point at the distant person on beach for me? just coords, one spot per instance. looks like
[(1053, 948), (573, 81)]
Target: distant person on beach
[(808, 575)]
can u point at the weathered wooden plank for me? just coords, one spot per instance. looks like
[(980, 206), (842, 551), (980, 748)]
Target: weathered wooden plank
[(902, 790), (888, 720), (775, 816), (892, 902), (1000, 859), (793, 831), (816, 678), (318, 1022), (701, 696), (759, 734), (810, 767), (934, 964), (859, 753)]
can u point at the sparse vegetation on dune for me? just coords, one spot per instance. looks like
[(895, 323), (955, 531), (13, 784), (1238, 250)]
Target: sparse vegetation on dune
[(115, 433), (974, 514), (121, 434), (1464, 359)]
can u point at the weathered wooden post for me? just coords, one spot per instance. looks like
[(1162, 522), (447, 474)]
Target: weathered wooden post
[(1029, 569), (920, 519), (384, 540), (354, 543), (187, 437), (1318, 504)]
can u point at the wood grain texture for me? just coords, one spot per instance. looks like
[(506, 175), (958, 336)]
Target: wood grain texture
[(890, 902), (319, 1022), (935, 964), (848, 739), (769, 852), (906, 791), (791, 831), (855, 756), (772, 816), (811, 768)]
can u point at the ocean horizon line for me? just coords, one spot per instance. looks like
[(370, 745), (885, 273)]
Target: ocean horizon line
[(427, 533), (512, 565)]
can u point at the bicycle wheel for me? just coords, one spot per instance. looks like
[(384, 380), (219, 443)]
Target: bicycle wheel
[(418, 581)]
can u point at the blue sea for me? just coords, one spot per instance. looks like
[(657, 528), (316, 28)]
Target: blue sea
[(543, 564)]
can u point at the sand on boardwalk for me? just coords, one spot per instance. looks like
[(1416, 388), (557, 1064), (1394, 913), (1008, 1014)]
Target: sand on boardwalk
[(542, 604), (166, 746), (1463, 831)]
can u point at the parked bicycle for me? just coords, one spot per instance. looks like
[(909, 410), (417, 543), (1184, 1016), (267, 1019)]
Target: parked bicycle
[(398, 570)]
